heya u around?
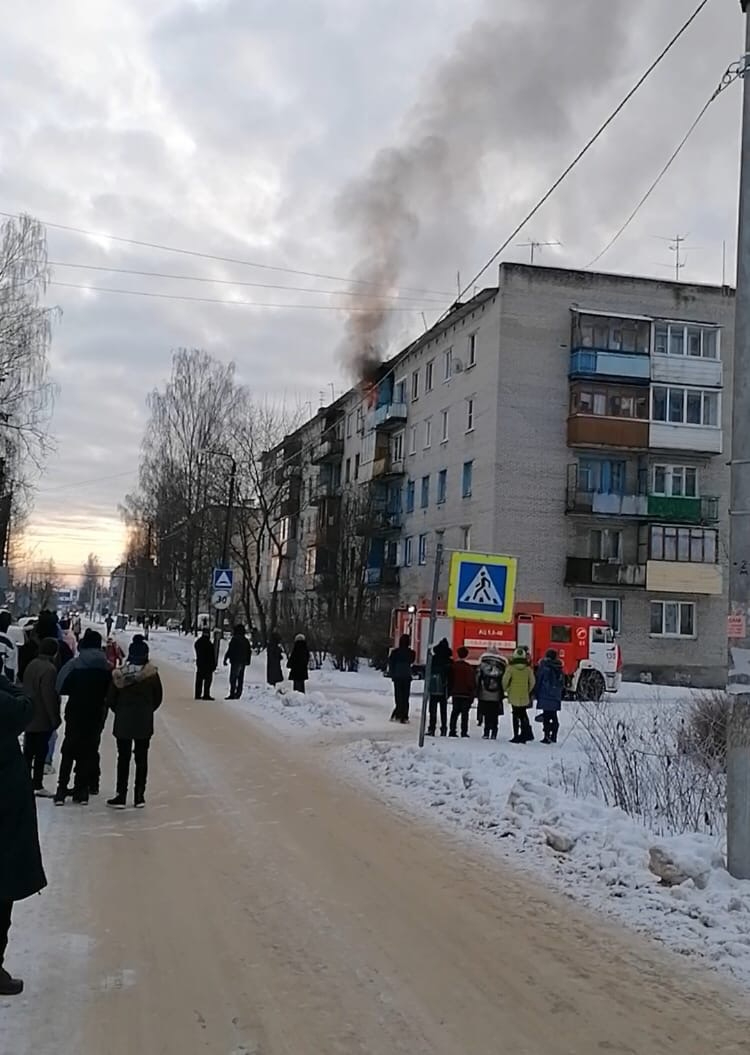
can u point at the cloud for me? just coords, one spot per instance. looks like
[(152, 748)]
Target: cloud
[(235, 128)]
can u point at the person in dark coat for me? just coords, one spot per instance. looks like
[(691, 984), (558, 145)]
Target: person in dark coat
[(47, 625), (205, 665), (108, 623), (441, 672), (8, 660), (274, 655), (463, 686), (39, 685), (490, 692), (299, 663), (238, 656), (85, 680), (134, 696), (400, 664), (21, 869), (550, 685)]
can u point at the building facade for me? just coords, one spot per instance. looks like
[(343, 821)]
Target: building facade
[(576, 420)]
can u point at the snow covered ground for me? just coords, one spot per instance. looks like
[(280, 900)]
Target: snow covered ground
[(532, 805)]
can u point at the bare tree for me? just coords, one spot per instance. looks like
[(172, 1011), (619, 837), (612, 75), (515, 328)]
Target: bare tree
[(45, 587), (91, 576)]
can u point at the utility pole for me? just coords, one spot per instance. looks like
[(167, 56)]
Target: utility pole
[(738, 683), (676, 248), (431, 636)]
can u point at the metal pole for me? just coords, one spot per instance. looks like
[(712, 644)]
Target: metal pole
[(738, 686), (219, 635), (431, 638)]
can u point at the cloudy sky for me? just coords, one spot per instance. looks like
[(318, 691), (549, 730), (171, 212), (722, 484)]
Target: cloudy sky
[(285, 135)]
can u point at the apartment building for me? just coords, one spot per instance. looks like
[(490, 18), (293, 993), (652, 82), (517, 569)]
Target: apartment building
[(576, 420)]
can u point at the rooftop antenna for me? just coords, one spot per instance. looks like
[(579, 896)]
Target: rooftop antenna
[(676, 243), (321, 398), (424, 320), (333, 392), (458, 286), (533, 246), (724, 262)]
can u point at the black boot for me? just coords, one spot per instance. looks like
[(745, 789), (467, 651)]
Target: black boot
[(9, 986)]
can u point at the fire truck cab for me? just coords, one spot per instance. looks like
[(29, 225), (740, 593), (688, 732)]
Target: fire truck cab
[(591, 657)]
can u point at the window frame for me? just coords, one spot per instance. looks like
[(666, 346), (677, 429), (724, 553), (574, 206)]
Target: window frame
[(588, 602), (670, 391), (447, 365), (444, 426), (427, 434), (669, 475), (411, 496), (413, 439), (424, 492), (687, 328), (397, 446), (400, 389), (471, 350), (470, 400), (429, 375), (688, 540), (422, 549), (408, 551), (469, 465), (466, 537), (442, 487), (415, 385), (679, 605)]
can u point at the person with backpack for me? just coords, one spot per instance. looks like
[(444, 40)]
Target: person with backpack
[(440, 686), (490, 692), (299, 663), (518, 684), (550, 686), (464, 689), (238, 656), (400, 664), (136, 694)]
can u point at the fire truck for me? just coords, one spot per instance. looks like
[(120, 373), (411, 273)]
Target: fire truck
[(591, 657)]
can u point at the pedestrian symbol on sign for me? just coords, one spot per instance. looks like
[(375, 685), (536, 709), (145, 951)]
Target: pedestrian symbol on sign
[(481, 590)]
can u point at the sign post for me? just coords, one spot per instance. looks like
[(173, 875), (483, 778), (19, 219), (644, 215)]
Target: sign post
[(482, 587), (431, 638)]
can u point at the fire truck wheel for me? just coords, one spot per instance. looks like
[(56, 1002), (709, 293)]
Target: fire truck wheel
[(591, 686)]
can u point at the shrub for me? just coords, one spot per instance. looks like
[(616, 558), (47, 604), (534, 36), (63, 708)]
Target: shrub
[(703, 737)]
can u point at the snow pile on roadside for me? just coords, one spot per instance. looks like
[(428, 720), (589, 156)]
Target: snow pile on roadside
[(305, 710), (513, 801)]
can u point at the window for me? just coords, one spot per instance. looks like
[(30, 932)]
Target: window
[(602, 476), (429, 372), (466, 537), (413, 440), (684, 406), (425, 493), (360, 420), (612, 334), (415, 386), (397, 447), (428, 433), (561, 634), (675, 481), (469, 415), (607, 608), (466, 479), (606, 544), (472, 351), (399, 391), (695, 545), (673, 619), (356, 466), (349, 425), (422, 550), (447, 365), (348, 473), (310, 561), (408, 552), (442, 486), (411, 488), (610, 401), (678, 338), (444, 426)]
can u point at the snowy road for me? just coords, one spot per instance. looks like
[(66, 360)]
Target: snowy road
[(260, 906)]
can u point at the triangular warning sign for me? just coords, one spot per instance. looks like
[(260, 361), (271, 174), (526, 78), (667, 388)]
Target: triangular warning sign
[(482, 590), (223, 581)]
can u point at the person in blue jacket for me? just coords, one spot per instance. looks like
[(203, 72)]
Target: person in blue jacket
[(550, 685)]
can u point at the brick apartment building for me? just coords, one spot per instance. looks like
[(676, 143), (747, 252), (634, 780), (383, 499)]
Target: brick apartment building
[(579, 421)]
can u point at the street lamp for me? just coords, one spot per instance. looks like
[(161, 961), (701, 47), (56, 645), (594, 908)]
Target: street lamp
[(227, 527)]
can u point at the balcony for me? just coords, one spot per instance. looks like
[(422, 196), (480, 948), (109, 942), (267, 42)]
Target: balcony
[(382, 577), (389, 416), (582, 571), (674, 510), (687, 370), (683, 577), (384, 467), (591, 430), (593, 503), (616, 366), (706, 439), (328, 450), (326, 491), (380, 524)]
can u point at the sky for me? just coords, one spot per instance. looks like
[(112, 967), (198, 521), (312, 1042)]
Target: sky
[(394, 140)]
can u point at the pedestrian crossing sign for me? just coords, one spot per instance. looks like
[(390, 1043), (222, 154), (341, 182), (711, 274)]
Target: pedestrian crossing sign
[(222, 579), (482, 587)]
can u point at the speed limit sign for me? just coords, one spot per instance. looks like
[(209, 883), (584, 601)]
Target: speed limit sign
[(220, 600)]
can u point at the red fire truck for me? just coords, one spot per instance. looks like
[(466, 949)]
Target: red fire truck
[(590, 655)]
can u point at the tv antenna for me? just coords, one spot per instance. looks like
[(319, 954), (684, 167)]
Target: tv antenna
[(676, 243), (533, 245)]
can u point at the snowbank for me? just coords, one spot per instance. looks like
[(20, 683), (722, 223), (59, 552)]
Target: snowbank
[(304, 710)]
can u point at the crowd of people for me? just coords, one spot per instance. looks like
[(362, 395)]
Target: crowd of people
[(238, 657), (493, 682), (57, 661)]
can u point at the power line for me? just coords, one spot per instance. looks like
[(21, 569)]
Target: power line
[(212, 256), (239, 282), (81, 483), (582, 153), (731, 75), (217, 300)]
